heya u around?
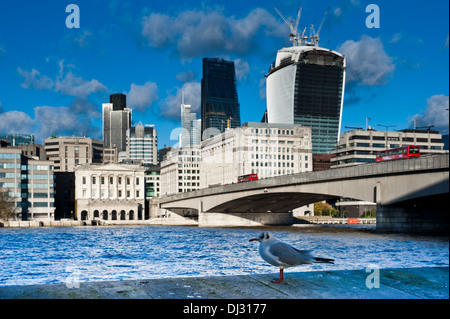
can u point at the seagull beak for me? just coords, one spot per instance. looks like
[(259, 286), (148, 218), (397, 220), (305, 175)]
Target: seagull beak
[(254, 239)]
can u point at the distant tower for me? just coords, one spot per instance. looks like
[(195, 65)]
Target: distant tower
[(190, 125), (305, 85), (116, 122), (219, 105)]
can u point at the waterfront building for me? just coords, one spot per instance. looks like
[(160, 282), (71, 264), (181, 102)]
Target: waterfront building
[(180, 171), (305, 85), (219, 99), (110, 192), (361, 146), (116, 122), (17, 139), (29, 182), (255, 148), (142, 144), (66, 153)]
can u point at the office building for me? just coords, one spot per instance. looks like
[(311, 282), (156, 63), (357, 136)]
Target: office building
[(17, 139), (110, 192), (361, 146), (219, 99), (191, 127), (142, 144), (305, 86), (261, 148), (67, 153), (29, 183), (116, 122), (180, 171)]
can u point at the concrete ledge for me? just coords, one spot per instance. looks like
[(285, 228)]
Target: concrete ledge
[(399, 283)]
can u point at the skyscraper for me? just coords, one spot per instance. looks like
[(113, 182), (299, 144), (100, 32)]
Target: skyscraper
[(191, 126), (116, 122), (305, 85), (219, 101), (143, 144)]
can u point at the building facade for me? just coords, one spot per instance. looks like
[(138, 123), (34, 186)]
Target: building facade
[(68, 152), (305, 86), (219, 98), (29, 183), (142, 144), (261, 148), (110, 192), (361, 146), (180, 171), (116, 122), (17, 139)]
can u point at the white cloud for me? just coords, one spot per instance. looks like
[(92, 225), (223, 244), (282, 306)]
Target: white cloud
[(66, 82), (436, 113), (192, 96), (200, 33), (187, 76), (242, 69), (141, 97), (34, 80), (17, 122), (367, 61)]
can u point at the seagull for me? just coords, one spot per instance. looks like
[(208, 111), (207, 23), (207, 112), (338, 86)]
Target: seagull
[(283, 255)]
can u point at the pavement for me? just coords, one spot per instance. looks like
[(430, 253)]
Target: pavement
[(398, 283)]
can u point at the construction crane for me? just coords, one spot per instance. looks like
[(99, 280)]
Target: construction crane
[(314, 36), (293, 35)]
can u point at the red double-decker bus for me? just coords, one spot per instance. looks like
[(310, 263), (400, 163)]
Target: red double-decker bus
[(247, 178), (398, 153)]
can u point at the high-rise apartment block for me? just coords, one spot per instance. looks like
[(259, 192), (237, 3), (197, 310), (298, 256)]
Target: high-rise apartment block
[(116, 122), (219, 99)]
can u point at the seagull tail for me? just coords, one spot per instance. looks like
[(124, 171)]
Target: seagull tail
[(324, 260)]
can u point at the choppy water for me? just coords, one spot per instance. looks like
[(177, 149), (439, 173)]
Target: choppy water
[(56, 255)]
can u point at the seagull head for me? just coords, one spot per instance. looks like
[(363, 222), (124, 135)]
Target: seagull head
[(263, 237)]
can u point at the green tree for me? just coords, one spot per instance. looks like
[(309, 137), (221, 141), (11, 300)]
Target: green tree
[(6, 205)]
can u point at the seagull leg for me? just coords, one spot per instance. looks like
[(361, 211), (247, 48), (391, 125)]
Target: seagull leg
[(277, 281)]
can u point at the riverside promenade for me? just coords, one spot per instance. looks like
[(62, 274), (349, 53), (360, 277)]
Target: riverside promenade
[(398, 283)]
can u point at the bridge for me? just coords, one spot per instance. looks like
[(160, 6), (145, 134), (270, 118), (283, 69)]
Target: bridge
[(411, 196)]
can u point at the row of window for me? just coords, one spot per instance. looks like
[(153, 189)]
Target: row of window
[(111, 180), (9, 155), (111, 194)]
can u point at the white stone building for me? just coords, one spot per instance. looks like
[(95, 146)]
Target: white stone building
[(110, 192), (262, 148)]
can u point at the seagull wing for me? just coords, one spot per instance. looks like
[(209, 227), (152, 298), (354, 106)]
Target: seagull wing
[(289, 256)]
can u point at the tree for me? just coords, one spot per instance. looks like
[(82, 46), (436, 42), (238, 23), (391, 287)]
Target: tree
[(320, 207), (6, 205)]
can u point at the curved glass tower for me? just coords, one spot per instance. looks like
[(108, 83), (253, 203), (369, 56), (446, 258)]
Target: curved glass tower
[(305, 85)]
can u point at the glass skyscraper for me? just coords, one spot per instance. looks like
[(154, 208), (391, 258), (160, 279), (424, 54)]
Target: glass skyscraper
[(219, 100), (305, 85), (116, 122)]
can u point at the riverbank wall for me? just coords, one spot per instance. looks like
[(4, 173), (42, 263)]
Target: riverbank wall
[(369, 283)]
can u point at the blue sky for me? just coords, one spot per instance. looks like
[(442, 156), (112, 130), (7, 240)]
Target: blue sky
[(53, 80)]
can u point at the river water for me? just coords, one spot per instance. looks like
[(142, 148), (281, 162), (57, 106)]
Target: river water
[(30, 256)]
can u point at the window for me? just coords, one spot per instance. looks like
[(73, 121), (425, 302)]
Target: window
[(94, 180), (137, 180), (84, 180), (103, 180)]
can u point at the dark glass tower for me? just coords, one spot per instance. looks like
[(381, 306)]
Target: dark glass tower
[(220, 105)]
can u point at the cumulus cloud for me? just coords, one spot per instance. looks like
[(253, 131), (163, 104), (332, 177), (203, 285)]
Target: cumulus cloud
[(192, 96), (17, 122), (435, 113), (367, 61), (199, 33), (141, 97), (66, 82), (34, 80)]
